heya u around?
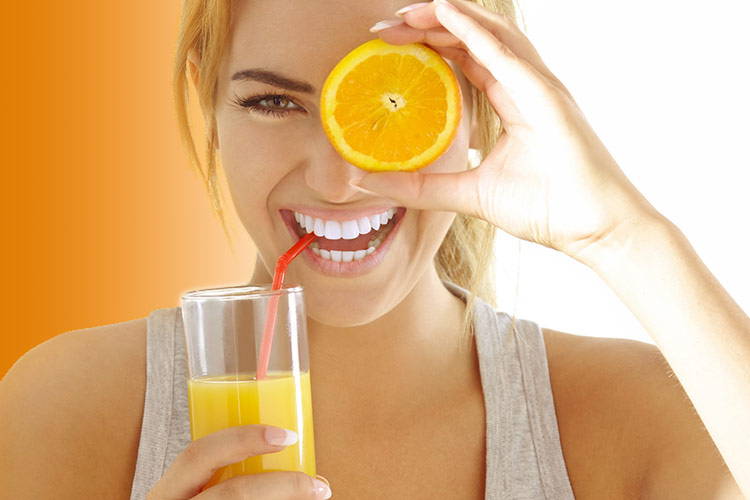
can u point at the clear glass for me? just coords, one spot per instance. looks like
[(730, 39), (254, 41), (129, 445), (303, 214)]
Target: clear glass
[(224, 331)]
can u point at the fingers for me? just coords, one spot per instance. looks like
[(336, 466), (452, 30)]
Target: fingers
[(491, 65), (529, 90), (455, 192), (195, 465), (506, 31), (485, 82), (277, 485), (408, 33), (447, 45), (499, 25)]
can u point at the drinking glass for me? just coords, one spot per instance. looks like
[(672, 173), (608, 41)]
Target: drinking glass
[(224, 331)]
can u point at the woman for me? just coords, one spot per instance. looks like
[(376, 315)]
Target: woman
[(523, 412)]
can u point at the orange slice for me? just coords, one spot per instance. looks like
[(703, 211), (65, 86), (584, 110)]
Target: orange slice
[(391, 107)]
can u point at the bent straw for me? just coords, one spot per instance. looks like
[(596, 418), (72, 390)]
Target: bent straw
[(278, 279)]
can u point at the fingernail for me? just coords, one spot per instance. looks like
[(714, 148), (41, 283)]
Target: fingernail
[(446, 4), (404, 10), (360, 188), (389, 23), (280, 437), (321, 488)]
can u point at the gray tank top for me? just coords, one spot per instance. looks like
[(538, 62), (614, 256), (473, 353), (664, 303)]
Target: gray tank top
[(524, 459)]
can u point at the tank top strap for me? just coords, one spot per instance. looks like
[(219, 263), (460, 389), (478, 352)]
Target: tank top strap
[(165, 427), (524, 456), (535, 379)]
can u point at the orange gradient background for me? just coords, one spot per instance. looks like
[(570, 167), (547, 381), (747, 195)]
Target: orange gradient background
[(104, 218)]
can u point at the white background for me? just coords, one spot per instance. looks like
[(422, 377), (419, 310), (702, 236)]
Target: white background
[(666, 86)]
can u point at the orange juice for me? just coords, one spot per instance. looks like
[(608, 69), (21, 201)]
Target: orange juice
[(281, 399)]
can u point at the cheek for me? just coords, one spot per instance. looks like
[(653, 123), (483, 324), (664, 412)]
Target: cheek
[(255, 163), (252, 160), (256, 159), (432, 228)]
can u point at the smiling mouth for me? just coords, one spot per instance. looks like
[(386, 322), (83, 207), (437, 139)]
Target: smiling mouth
[(345, 241)]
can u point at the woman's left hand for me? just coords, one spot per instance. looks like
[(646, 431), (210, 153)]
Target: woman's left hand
[(548, 179)]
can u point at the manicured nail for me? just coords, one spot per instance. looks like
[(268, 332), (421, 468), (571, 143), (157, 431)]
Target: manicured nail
[(360, 188), (381, 25), (321, 488), (404, 10), (280, 437), (446, 4)]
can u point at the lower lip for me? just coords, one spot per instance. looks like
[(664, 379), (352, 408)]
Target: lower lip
[(355, 267)]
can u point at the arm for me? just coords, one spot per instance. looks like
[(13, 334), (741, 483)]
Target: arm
[(550, 180), (70, 414), (704, 336)]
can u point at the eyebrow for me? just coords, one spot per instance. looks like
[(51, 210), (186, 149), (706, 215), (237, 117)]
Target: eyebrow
[(275, 79)]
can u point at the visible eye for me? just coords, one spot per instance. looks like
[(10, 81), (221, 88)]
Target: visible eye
[(277, 105)]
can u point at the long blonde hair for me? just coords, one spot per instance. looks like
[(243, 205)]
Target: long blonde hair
[(465, 256)]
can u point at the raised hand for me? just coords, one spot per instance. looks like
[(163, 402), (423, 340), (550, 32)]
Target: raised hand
[(548, 179)]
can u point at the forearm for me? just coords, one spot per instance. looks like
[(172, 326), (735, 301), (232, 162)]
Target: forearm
[(700, 330)]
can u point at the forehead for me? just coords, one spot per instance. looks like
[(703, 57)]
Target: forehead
[(305, 37)]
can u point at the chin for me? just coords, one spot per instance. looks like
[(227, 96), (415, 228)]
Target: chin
[(351, 304)]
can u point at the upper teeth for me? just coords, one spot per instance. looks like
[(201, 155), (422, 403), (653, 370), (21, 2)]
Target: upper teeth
[(350, 229)]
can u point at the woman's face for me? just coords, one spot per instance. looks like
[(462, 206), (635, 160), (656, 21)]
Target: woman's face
[(278, 160)]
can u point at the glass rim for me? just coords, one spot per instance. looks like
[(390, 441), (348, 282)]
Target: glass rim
[(239, 292)]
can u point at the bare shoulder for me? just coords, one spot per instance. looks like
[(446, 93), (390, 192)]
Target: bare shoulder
[(72, 408), (626, 423)]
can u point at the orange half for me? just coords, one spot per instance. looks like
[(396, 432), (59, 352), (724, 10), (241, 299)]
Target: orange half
[(391, 107)]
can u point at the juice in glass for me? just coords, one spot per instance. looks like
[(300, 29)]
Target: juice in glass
[(282, 399)]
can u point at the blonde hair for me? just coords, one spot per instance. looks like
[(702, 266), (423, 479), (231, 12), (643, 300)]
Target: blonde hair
[(465, 256)]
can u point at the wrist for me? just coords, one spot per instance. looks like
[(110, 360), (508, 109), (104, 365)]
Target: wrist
[(633, 235)]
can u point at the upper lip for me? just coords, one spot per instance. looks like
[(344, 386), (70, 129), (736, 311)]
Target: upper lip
[(338, 214)]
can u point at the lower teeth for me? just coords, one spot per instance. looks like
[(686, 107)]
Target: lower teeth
[(348, 255), (344, 255)]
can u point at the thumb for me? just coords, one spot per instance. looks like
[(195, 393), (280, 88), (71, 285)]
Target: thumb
[(454, 192)]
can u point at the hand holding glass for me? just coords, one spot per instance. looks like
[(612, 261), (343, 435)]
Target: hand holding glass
[(224, 329)]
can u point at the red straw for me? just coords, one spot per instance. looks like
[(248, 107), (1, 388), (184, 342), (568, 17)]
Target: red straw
[(278, 279)]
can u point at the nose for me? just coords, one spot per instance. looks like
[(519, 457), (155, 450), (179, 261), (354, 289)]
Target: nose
[(328, 173)]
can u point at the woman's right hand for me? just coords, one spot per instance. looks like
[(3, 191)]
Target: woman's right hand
[(197, 463)]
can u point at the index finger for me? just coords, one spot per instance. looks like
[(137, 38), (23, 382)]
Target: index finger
[(530, 91), (500, 25), (198, 462)]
